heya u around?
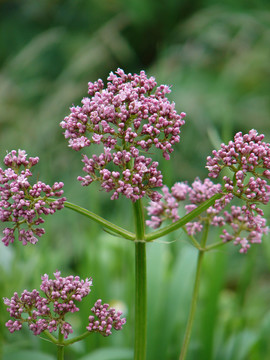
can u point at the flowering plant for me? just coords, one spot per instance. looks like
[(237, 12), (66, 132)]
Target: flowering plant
[(124, 121), (23, 204), (130, 116), (47, 314)]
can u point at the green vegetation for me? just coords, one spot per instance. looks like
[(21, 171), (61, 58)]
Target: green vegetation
[(217, 60)]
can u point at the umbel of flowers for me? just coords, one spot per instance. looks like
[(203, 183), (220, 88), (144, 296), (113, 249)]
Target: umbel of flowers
[(127, 118), (23, 204), (47, 312), (248, 158)]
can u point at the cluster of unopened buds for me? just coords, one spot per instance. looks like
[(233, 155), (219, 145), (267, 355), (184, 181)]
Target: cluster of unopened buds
[(21, 203), (130, 116), (105, 319), (60, 296), (248, 157)]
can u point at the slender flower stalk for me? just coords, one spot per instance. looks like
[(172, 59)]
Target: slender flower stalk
[(183, 220), (214, 246), (194, 296), (107, 224)]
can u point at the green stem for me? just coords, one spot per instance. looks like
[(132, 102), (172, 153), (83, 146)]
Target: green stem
[(193, 240), (185, 219), (215, 245), (60, 346), (63, 342), (107, 224), (77, 338), (140, 283), (194, 296), (50, 337)]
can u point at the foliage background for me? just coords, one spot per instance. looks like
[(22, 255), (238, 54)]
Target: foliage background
[(216, 58)]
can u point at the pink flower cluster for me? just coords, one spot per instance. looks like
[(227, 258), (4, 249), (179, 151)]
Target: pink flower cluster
[(248, 157), (104, 319), (130, 115), (239, 223), (35, 310), (242, 220), (168, 206), (23, 204), (48, 313)]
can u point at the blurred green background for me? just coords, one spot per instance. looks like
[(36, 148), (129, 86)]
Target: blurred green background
[(216, 58)]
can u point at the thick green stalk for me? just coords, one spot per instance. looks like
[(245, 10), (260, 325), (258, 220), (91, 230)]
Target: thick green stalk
[(140, 283), (194, 296), (60, 346)]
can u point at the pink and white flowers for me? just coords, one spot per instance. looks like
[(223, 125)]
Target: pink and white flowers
[(126, 119), (23, 204), (60, 297)]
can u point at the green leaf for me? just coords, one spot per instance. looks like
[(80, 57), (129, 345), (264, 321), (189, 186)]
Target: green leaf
[(27, 354), (239, 345), (110, 354)]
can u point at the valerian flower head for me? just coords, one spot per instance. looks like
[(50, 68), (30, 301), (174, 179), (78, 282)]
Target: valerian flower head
[(105, 319), (60, 296), (127, 118), (248, 157), (35, 310), (238, 224), (22, 203), (241, 220)]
